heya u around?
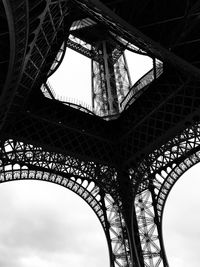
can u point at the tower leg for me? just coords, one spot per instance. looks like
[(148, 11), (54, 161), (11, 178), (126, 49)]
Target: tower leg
[(126, 196), (149, 228), (110, 79)]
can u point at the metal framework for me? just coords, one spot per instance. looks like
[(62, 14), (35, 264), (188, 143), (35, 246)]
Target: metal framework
[(124, 164)]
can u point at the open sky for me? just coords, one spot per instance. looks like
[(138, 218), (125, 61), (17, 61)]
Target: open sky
[(43, 224), (72, 80), (182, 219), (46, 225)]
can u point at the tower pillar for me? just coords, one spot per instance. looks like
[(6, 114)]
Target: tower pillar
[(126, 195), (113, 105), (110, 79)]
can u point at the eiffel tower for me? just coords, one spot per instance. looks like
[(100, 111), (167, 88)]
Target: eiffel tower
[(125, 154)]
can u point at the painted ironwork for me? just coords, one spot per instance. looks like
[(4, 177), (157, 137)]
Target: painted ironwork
[(26, 162), (124, 169)]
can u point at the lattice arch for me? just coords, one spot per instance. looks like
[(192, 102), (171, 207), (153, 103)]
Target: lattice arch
[(172, 177), (154, 179), (167, 180), (17, 162)]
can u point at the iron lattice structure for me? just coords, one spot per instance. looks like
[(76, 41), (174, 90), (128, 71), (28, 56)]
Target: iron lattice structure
[(123, 156)]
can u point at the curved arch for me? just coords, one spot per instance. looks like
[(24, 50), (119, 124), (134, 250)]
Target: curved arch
[(172, 152), (41, 217), (89, 193), (180, 220), (58, 60), (154, 178), (173, 176), (23, 162)]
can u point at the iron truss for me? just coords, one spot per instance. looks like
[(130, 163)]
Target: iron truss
[(124, 169), (95, 184), (153, 179)]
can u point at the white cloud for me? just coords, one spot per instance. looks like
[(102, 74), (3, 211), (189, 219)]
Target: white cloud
[(43, 224), (181, 221)]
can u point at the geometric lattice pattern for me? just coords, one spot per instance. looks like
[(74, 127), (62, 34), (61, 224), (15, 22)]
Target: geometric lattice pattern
[(158, 177), (123, 167), (40, 165), (148, 230)]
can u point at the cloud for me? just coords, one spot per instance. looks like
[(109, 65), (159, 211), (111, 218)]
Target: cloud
[(43, 224), (181, 221)]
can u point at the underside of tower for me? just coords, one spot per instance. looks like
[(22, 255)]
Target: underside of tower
[(125, 154)]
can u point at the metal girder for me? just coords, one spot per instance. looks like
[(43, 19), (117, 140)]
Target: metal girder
[(123, 169), (17, 14), (54, 126), (63, 140), (110, 80), (86, 179), (148, 227), (157, 116), (153, 179), (161, 161), (141, 85), (106, 16), (40, 44), (74, 45)]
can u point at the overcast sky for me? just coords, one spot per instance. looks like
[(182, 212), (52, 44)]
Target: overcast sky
[(182, 220), (43, 224), (73, 80), (46, 225)]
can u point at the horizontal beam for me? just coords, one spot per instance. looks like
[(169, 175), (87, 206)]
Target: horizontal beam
[(117, 24)]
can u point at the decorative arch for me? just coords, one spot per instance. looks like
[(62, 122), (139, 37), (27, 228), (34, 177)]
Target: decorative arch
[(19, 161), (154, 178), (172, 177)]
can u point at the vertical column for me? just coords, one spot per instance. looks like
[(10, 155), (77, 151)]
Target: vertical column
[(110, 78), (107, 232), (123, 79), (126, 196), (116, 233), (159, 227), (149, 229), (113, 104), (99, 92), (154, 68)]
